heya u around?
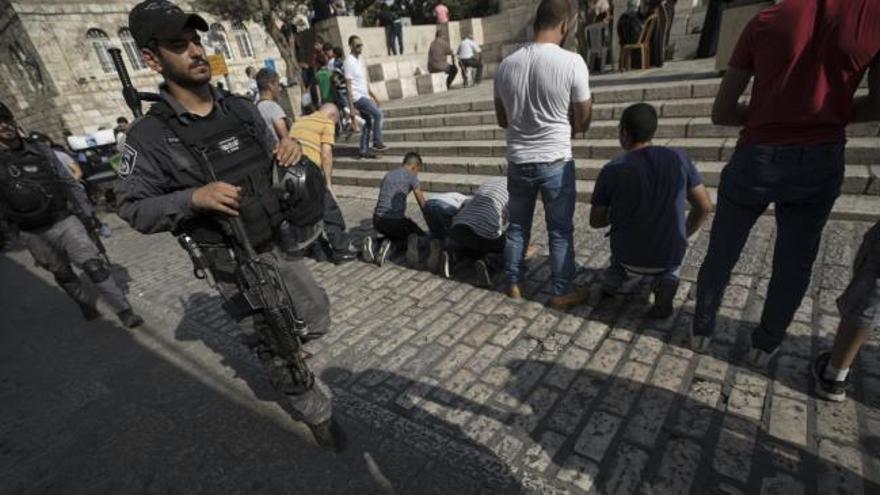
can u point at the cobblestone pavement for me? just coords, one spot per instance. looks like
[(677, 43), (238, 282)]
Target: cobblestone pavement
[(473, 392)]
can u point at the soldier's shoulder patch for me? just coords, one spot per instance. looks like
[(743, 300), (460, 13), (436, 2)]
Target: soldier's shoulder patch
[(129, 160)]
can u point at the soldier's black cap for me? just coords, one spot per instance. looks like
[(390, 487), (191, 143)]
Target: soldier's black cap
[(160, 20)]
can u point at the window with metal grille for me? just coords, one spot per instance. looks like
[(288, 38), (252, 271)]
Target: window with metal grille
[(217, 37), (243, 39), (100, 43), (131, 50)]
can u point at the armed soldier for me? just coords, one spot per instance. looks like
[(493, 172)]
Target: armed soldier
[(40, 198), (199, 161)]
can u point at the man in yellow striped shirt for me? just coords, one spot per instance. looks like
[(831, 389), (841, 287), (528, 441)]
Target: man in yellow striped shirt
[(317, 135)]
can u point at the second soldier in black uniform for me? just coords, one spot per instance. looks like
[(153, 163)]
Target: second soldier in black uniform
[(50, 210), (164, 187)]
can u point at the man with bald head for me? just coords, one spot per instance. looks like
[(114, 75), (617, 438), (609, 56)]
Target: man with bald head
[(316, 133)]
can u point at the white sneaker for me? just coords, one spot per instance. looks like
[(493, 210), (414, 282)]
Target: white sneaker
[(383, 251), (699, 343), (445, 265), (367, 252), (412, 250), (433, 261)]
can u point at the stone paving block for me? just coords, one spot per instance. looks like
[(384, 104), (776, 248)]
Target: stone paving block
[(788, 420), (709, 366), (734, 449), (781, 484), (568, 413), (678, 468), (650, 413), (840, 469), (747, 395), (456, 358), (537, 406), (461, 327), (570, 362), (626, 470), (539, 456), (579, 472), (837, 421), (480, 334), (670, 373), (627, 383), (405, 87), (542, 325), (509, 332), (606, 358), (506, 447), (484, 358), (596, 435), (647, 348)]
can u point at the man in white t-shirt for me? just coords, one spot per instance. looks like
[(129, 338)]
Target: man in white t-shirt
[(469, 55), (363, 99), (534, 89)]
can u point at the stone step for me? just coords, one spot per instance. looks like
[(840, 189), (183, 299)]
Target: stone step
[(687, 127), (694, 107), (859, 150), (363, 184), (858, 178), (624, 93)]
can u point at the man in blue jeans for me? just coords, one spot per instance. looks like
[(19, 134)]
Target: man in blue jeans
[(534, 89), (363, 99), (807, 62)]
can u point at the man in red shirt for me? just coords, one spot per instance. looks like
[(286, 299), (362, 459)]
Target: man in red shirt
[(807, 58)]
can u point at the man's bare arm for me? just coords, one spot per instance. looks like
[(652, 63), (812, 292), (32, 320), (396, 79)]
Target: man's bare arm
[(701, 206), (500, 113), (420, 198), (280, 128), (867, 108), (727, 110), (582, 116), (327, 162)]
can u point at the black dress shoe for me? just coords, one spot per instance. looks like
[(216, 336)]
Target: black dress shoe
[(330, 436), (89, 312), (129, 318)]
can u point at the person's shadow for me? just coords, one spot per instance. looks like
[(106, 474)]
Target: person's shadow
[(626, 433)]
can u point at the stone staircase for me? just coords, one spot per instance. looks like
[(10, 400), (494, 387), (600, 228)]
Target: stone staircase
[(463, 146)]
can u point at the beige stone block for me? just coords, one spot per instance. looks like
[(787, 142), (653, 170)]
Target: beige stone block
[(406, 68), (431, 83), (379, 90), (402, 88), (383, 71)]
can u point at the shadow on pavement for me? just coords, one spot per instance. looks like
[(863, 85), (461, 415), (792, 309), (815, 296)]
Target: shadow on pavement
[(88, 407), (612, 433)]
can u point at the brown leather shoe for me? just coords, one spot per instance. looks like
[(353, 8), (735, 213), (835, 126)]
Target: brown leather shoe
[(514, 292), (566, 301)]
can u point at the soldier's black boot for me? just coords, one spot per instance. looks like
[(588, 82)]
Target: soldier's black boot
[(129, 319), (89, 312), (330, 436)]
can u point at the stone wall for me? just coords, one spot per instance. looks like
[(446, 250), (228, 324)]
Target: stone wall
[(62, 85)]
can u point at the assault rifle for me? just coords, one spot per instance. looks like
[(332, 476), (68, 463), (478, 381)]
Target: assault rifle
[(257, 275)]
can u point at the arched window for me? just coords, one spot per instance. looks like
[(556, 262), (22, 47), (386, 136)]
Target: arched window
[(131, 50), (243, 39), (100, 43), (217, 37)]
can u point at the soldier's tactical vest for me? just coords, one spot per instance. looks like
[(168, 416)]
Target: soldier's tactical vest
[(32, 195), (238, 157)]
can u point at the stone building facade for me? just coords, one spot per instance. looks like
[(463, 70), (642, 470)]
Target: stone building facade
[(55, 73)]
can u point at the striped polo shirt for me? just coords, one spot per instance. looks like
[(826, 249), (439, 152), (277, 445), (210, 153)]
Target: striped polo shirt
[(486, 214)]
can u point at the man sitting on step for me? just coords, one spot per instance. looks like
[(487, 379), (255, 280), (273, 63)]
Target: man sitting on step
[(389, 217), (641, 195)]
